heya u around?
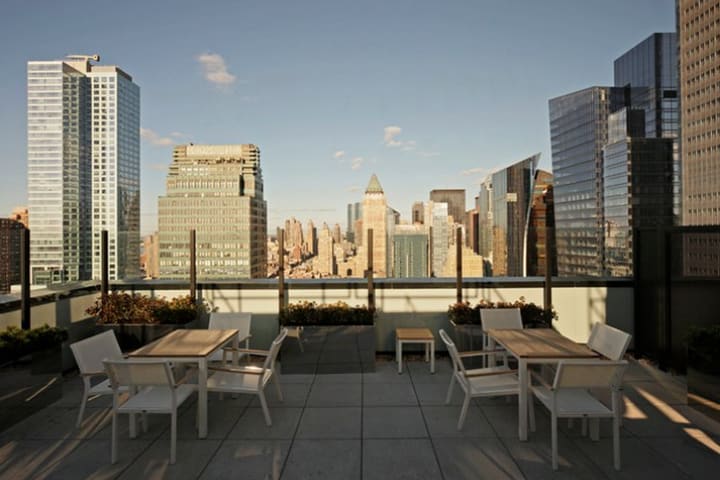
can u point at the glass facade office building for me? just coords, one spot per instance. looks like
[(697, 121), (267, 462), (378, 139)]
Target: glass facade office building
[(410, 252), (83, 169)]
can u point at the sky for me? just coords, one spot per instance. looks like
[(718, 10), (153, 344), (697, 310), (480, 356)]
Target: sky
[(426, 94)]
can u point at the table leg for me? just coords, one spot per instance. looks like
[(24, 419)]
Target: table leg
[(523, 400), (432, 356), (398, 355), (133, 420), (202, 398), (427, 352)]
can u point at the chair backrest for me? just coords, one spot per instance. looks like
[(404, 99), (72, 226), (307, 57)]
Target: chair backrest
[(227, 321), (501, 318), (589, 374), (274, 350), (90, 352), (458, 366), (139, 373), (609, 341)]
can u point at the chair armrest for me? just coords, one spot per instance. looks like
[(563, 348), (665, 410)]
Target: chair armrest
[(489, 374), (476, 353), (536, 376), (247, 370), (261, 353)]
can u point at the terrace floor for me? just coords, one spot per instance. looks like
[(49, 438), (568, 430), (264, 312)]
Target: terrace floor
[(371, 426)]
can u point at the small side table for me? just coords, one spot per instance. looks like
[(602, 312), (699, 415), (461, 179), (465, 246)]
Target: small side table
[(415, 335)]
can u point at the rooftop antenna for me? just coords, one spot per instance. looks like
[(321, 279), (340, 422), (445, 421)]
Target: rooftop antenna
[(86, 58)]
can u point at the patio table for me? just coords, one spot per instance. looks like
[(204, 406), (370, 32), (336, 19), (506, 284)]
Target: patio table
[(191, 346), (536, 346)]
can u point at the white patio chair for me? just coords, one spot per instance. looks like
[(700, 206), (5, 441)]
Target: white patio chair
[(227, 321), (250, 379), (504, 318), (89, 354), (158, 393), (481, 382), (569, 396)]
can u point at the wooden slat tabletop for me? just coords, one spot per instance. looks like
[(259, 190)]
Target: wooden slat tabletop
[(414, 334), (540, 343), (186, 343)]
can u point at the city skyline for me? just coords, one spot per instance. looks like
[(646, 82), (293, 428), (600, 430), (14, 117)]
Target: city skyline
[(423, 92)]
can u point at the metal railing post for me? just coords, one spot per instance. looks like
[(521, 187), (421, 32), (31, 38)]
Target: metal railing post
[(104, 268), (371, 285), (458, 266), (281, 268), (25, 279), (193, 267)]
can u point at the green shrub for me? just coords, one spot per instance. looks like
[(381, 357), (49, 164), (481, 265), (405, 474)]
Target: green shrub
[(16, 343), (533, 316), (138, 309), (704, 349), (340, 313)]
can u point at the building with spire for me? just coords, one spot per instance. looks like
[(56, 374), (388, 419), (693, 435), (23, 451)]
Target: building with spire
[(375, 217)]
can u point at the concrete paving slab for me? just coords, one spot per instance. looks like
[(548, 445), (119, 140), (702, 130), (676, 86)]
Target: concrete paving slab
[(331, 459), (330, 422), (389, 394), (399, 459), (473, 458), (393, 422), (252, 424), (250, 459)]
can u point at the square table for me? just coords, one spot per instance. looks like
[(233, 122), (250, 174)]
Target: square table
[(536, 346), (191, 346), (415, 335)]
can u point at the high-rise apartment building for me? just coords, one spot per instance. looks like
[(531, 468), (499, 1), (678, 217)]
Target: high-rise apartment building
[(311, 239), (698, 24), (455, 199), (216, 190), (10, 241), (437, 219), (293, 234), (354, 213), (410, 251), (375, 217), (83, 169), (324, 262), (337, 234), (578, 133), (541, 227)]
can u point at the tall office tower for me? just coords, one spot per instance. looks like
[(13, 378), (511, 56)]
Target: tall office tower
[(650, 71), (455, 199), (410, 251), (541, 227), (698, 24), (10, 231), (20, 214), (325, 261), (436, 218), (354, 213), (578, 133), (485, 221), (637, 187), (83, 169), (375, 217), (217, 190), (417, 213), (293, 234), (337, 233), (150, 258), (472, 225), (311, 239), (511, 197)]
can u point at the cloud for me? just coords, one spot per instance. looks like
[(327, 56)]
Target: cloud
[(356, 163), (355, 188), (339, 154), (215, 70), (154, 138), (429, 154), (391, 133)]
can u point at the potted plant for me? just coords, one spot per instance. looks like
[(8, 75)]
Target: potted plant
[(139, 319), (703, 372), (336, 338), (30, 371)]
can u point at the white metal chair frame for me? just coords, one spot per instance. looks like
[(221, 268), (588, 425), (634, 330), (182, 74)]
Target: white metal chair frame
[(568, 396), (89, 354), (505, 318), (160, 394), (250, 379), (481, 382), (226, 321)]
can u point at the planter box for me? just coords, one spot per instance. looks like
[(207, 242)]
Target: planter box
[(133, 336), (29, 384), (330, 349), (703, 385)]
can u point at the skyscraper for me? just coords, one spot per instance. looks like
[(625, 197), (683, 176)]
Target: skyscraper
[(436, 218), (700, 121), (218, 191), (410, 251), (325, 260), (455, 199), (83, 169), (578, 133), (10, 240), (418, 213), (375, 217), (311, 238), (540, 239), (354, 213)]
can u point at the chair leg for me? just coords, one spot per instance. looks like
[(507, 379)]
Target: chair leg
[(144, 422), (595, 429), (173, 436), (448, 397), (554, 440), (616, 442), (583, 427), (531, 413), (463, 412), (113, 440), (265, 410), (278, 387)]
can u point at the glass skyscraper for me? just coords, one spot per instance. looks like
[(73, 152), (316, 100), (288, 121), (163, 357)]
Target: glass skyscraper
[(410, 251), (83, 169)]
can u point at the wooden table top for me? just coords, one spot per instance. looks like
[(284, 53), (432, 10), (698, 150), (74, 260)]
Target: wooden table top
[(414, 334), (186, 343), (540, 343)]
